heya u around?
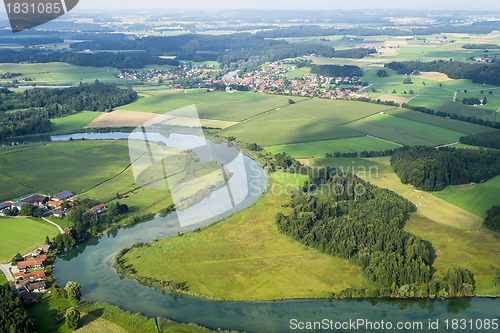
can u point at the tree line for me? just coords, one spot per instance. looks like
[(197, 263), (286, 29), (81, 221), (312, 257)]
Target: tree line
[(477, 72), (433, 169), (37, 106), (101, 59), (485, 139)]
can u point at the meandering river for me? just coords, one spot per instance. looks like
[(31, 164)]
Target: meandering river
[(90, 265)]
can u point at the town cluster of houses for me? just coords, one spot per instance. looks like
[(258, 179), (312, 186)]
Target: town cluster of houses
[(30, 275), (48, 204), (270, 78)]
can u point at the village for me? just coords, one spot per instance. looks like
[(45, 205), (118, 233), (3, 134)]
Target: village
[(272, 78)]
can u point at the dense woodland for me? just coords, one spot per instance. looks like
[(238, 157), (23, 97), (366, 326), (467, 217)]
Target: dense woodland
[(342, 215), (482, 46), (492, 220), (12, 317), (364, 227), (37, 106), (486, 139), (433, 169), (102, 59), (477, 72), (357, 53), (336, 70)]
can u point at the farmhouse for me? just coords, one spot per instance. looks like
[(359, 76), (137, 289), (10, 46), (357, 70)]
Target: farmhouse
[(62, 196), (35, 199), (31, 263), (58, 213), (96, 210), (35, 276), (53, 203), (35, 287), (5, 205)]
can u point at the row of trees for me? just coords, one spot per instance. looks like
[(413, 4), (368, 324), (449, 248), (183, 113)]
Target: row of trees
[(486, 139), (468, 119), (433, 169), (478, 73), (355, 220)]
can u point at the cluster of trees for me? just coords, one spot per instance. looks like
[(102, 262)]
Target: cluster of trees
[(473, 101), (486, 139), (382, 73), (433, 169), (12, 317), (492, 220), (336, 70), (357, 53), (477, 72), (355, 220), (483, 46), (101, 59), (38, 106), (468, 119)]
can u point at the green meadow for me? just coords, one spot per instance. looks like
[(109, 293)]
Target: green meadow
[(476, 198), (58, 73), (72, 122), (22, 235), (463, 110), (246, 261), (321, 148)]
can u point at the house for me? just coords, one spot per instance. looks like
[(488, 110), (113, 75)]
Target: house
[(28, 297), (44, 247), (36, 287), (35, 276), (58, 213), (53, 203), (5, 205), (98, 209), (35, 199), (31, 263), (62, 196)]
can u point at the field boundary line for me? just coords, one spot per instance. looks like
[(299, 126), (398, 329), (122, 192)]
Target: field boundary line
[(297, 142), (264, 112), (448, 144), (395, 143), (368, 116)]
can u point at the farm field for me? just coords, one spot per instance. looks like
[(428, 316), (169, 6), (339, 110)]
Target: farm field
[(230, 252), (321, 148), (335, 111), (281, 127), (403, 131), (476, 198), (78, 166), (58, 73), (468, 111), (73, 122), (22, 235), (215, 105)]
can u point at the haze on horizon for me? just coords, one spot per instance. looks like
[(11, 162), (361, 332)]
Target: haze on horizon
[(452, 5)]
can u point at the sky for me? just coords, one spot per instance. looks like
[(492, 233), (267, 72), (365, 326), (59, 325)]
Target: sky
[(291, 4)]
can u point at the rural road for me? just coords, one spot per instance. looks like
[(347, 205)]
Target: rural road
[(6, 272), (58, 227)]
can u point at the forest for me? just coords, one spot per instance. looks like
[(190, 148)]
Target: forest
[(37, 106), (486, 139), (336, 70), (12, 317), (492, 220), (433, 169), (102, 59), (357, 53), (483, 46), (477, 72), (355, 220)]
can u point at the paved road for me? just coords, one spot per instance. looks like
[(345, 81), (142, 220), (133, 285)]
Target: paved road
[(6, 272), (58, 227)]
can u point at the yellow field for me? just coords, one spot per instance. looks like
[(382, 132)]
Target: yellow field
[(441, 77), (397, 99), (120, 118)]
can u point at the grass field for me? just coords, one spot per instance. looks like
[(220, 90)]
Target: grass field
[(216, 105), (73, 122), (335, 111), (49, 313), (246, 260), (22, 235), (477, 198), (74, 166), (3, 279), (403, 131), (58, 73), (321, 148), (468, 111)]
